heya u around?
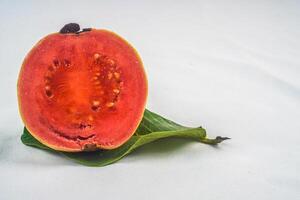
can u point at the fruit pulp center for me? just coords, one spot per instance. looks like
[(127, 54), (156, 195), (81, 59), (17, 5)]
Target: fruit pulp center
[(78, 93)]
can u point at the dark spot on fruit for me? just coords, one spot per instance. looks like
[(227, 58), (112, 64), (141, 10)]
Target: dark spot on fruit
[(95, 108), (73, 28), (67, 63), (84, 126), (55, 62), (70, 28), (49, 93)]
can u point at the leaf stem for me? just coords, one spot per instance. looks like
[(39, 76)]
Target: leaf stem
[(215, 141)]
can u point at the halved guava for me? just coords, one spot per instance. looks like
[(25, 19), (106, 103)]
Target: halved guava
[(82, 90)]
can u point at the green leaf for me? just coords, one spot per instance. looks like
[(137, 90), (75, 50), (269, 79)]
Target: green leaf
[(152, 127)]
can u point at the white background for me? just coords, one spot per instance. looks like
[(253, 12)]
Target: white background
[(231, 66)]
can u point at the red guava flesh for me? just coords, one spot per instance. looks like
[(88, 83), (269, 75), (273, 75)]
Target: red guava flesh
[(82, 92)]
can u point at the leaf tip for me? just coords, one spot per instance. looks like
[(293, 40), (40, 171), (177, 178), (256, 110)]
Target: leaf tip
[(220, 139), (215, 141)]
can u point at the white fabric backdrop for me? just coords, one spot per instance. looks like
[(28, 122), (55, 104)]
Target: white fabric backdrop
[(230, 66)]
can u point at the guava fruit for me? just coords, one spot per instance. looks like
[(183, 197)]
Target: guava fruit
[(82, 90)]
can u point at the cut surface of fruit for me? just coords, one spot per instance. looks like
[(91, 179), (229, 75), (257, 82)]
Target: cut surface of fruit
[(82, 91)]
